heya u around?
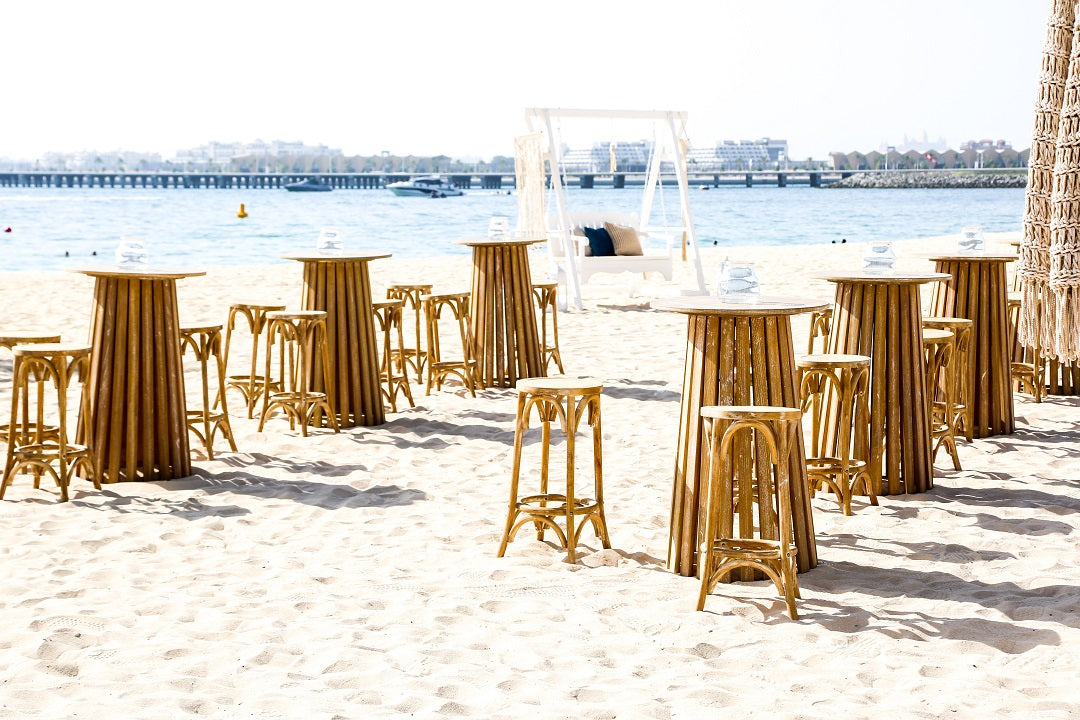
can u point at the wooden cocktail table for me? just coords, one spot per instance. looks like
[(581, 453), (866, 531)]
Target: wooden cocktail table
[(736, 354), (340, 285), (878, 315), (976, 289), (502, 318), (137, 402)]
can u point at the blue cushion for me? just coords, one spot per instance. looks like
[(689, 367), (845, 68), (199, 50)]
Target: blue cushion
[(599, 241)]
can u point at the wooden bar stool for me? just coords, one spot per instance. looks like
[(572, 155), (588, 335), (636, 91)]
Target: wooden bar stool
[(37, 428), (302, 339), (834, 390), (58, 364), (252, 384), (438, 367), (1027, 367), (568, 401), (963, 374), (747, 472), (387, 314), (412, 294), (544, 293), (204, 341), (820, 326), (940, 351)]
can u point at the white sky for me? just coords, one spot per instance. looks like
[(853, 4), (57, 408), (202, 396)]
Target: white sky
[(453, 77)]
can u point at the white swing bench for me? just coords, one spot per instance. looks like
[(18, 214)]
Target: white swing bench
[(589, 265)]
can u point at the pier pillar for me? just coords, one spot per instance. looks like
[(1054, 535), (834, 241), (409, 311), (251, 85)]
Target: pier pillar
[(618, 181), (749, 180), (781, 179), (815, 180), (586, 182)]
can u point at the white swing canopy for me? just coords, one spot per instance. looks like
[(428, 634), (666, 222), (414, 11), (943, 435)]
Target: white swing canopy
[(531, 178)]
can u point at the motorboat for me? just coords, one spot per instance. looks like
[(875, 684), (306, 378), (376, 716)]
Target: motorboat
[(424, 186), (308, 185)]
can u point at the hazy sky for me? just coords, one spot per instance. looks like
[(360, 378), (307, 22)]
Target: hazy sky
[(454, 76)]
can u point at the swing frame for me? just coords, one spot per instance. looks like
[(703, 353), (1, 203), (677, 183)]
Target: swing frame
[(563, 217)]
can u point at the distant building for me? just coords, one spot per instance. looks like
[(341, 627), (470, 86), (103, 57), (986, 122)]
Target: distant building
[(634, 156), (222, 153)]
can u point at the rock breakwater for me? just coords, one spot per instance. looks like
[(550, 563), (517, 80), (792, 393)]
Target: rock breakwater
[(932, 179)]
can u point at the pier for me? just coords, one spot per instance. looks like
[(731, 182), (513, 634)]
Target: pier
[(375, 180)]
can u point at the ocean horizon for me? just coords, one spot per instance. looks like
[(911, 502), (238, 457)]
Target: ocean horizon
[(61, 228)]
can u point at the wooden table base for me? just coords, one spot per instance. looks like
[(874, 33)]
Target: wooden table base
[(977, 291), (882, 319), (341, 286), (502, 318), (139, 409), (733, 360)]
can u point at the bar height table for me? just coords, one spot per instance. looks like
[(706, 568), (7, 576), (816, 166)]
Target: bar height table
[(341, 285), (976, 289), (137, 402), (501, 315), (737, 353), (878, 314)]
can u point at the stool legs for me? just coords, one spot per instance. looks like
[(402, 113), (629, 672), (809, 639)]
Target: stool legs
[(205, 344), (39, 456), (252, 384), (730, 490), (302, 337), (545, 508), (438, 367)]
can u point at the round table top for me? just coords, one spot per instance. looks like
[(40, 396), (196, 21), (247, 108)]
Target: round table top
[(974, 257), (759, 307), (138, 273), (890, 277), (344, 257), (505, 241)]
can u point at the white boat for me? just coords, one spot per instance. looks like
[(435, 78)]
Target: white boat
[(424, 186)]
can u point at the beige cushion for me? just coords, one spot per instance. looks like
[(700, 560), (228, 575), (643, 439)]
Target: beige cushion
[(625, 239)]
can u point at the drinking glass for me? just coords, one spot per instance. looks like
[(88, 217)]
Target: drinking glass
[(499, 226), (736, 281), (132, 252), (330, 242), (971, 240), (879, 256)]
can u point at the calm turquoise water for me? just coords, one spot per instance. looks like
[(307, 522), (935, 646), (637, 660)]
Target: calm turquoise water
[(185, 227)]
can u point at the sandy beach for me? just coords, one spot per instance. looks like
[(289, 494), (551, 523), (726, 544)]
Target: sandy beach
[(354, 575)]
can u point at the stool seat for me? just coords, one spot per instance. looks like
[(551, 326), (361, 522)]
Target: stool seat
[(750, 412), (933, 335), (11, 338), (832, 360), (296, 315), (562, 386)]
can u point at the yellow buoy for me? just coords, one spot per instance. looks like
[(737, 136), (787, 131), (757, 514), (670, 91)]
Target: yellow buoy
[(242, 213)]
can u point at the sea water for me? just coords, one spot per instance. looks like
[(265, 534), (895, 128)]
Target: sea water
[(54, 228)]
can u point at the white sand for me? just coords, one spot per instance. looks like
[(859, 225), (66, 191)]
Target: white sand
[(354, 575)]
